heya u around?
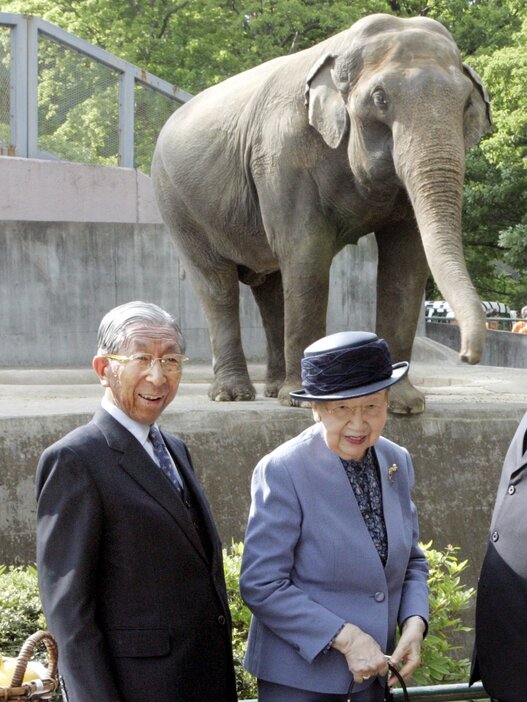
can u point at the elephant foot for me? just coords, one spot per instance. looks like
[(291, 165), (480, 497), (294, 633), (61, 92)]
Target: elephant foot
[(470, 357), (232, 391), (272, 389), (404, 398), (285, 398), (272, 386)]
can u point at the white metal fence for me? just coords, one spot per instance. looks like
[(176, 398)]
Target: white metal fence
[(63, 98)]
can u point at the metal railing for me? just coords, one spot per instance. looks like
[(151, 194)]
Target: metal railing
[(63, 98), (497, 323), (458, 692)]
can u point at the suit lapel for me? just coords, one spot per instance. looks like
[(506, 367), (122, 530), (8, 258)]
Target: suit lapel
[(393, 517), (137, 463), (516, 454)]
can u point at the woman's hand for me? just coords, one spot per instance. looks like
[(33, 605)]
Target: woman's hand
[(408, 649), (363, 654)]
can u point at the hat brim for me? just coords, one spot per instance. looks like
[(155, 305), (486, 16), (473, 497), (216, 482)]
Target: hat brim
[(399, 370)]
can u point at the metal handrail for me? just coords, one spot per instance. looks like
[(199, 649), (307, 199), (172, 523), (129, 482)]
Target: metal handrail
[(457, 692), (26, 32)]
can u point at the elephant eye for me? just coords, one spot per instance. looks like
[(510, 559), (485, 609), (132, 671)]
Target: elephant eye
[(379, 98)]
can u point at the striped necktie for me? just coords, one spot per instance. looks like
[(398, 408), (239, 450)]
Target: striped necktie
[(165, 461)]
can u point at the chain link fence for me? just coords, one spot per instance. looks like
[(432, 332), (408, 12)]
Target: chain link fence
[(5, 71), (63, 98)]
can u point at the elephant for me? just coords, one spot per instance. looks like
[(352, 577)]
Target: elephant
[(264, 177)]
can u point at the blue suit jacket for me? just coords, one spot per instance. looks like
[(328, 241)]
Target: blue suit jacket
[(310, 564)]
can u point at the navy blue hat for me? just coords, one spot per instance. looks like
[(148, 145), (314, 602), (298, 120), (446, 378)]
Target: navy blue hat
[(347, 364)]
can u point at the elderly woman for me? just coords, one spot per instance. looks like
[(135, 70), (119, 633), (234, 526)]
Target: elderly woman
[(331, 562)]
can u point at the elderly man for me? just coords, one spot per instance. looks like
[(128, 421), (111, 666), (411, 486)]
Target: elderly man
[(129, 560)]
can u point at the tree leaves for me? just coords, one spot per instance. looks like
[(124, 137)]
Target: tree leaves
[(197, 43)]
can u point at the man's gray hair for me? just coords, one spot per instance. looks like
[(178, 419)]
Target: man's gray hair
[(113, 326)]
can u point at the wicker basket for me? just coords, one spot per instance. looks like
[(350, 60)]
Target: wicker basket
[(35, 689)]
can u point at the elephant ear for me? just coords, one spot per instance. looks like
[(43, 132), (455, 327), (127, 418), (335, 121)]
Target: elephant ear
[(326, 107), (479, 117)]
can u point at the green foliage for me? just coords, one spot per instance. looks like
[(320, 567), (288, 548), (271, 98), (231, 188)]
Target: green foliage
[(495, 212), (479, 25), (197, 43), (21, 615), (448, 599), (495, 208), (241, 618), (20, 608)]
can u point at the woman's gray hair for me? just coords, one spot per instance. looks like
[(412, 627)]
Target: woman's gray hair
[(113, 326)]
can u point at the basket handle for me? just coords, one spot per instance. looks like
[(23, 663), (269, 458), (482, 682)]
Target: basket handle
[(393, 670), (27, 651)]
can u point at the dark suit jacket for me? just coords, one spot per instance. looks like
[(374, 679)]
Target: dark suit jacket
[(500, 654), (138, 610)]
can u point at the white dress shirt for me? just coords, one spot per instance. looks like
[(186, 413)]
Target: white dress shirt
[(140, 431)]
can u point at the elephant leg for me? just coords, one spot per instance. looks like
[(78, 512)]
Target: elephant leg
[(306, 288), (304, 242), (401, 279), (219, 292), (269, 297)]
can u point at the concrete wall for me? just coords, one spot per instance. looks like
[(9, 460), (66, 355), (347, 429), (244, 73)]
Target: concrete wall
[(65, 275), (60, 191), (75, 240), (457, 448), (502, 348)]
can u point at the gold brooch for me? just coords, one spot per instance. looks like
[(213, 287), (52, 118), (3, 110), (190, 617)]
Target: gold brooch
[(392, 470)]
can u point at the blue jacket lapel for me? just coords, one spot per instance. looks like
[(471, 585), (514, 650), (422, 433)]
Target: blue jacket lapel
[(391, 476)]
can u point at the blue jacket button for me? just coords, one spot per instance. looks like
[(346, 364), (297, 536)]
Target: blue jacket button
[(511, 490), (379, 596), (495, 536)]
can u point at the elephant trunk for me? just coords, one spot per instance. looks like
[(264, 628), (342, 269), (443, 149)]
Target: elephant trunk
[(433, 176)]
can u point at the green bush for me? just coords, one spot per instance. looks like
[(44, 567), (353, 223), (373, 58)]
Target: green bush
[(241, 617), (448, 598), (20, 608), (21, 615)]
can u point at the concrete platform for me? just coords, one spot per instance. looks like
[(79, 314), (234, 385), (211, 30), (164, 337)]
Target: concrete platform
[(457, 445), (435, 369)]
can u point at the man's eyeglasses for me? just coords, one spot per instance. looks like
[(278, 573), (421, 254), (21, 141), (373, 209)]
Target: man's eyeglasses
[(171, 363)]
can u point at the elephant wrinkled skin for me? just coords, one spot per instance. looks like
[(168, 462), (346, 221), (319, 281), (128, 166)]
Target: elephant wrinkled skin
[(266, 176)]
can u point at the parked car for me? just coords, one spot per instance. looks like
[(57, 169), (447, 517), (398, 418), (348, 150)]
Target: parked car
[(438, 311), (497, 313)]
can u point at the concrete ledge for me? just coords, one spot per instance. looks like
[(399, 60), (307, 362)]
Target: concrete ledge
[(60, 191), (458, 444)]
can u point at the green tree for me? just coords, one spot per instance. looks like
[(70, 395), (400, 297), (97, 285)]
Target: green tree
[(495, 221), (196, 43)]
